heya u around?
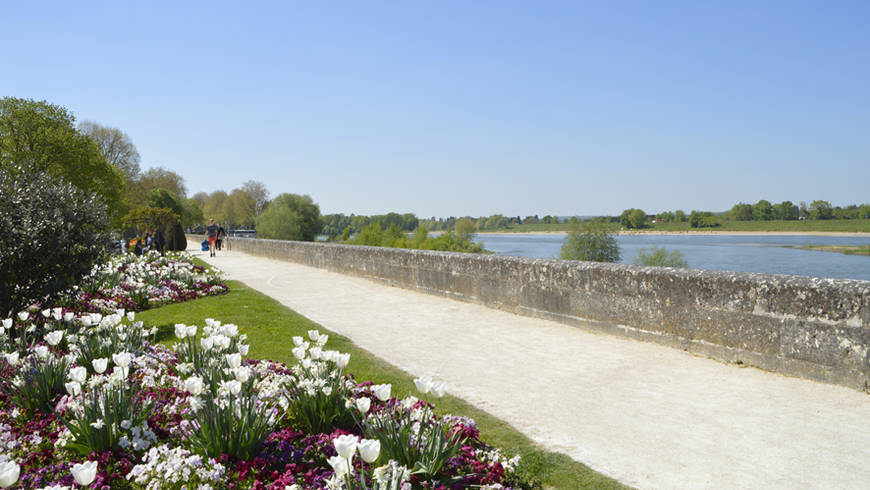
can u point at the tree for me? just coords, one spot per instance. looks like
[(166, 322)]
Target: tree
[(259, 195), (660, 257), (214, 206), (633, 218), (290, 217), (821, 210), (590, 241), (53, 233), (679, 216), (762, 210), (742, 212), (703, 219), (38, 137), (786, 210), (155, 178), (116, 146), (637, 218), (239, 209), (464, 229)]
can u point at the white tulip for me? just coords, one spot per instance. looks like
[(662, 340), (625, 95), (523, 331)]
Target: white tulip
[(46, 312), (339, 465), (100, 365), (315, 353), (180, 330), (42, 352), (230, 330), (321, 340), (243, 349), (313, 335), (299, 353), (57, 313), (243, 373), (122, 359), (382, 392), (191, 331), (7, 323), (234, 387), (9, 472), (363, 404), (194, 385), (234, 360), (78, 374), (343, 360), (12, 358), (438, 389), (369, 450), (423, 384), (120, 312), (68, 316), (73, 388), (53, 338), (297, 340), (345, 445), (207, 343), (84, 473), (23, 315), (131, 316)]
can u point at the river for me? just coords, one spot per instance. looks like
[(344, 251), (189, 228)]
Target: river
[(747, 253)]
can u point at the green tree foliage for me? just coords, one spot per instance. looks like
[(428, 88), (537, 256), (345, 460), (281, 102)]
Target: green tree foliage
[(290, 217), (145, 219), (742, 212), (239, 209), (464, 229), (821, 210), (633, 219), (53, 233), (161, 198), (376, 235), (703, 219), (785, 210), (590, 241), (763, 210), (40, 137), (214, 206), (155, 178), (679, 216), (116, 146), (666, 217), (258, 195), (660, 257)]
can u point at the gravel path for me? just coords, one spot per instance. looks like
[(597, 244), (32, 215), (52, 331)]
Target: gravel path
[(647, 415)]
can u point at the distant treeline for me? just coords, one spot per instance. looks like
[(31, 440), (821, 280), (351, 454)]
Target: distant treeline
[(336, 225)]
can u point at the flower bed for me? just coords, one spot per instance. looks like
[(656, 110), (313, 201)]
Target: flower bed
[(136, 283), (87, 399)]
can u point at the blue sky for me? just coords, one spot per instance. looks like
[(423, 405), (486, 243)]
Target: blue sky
[(470, 108)]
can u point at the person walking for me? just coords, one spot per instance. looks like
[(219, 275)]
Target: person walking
[(211, 232), (220, 236)]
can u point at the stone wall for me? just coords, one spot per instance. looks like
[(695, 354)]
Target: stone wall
[(801, 326)]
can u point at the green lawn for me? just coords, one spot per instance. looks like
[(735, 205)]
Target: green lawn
[(270, 326)]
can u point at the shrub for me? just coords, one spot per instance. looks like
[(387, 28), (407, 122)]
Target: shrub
[(53, 233), (660, 257), (175, 239), (590, 241)]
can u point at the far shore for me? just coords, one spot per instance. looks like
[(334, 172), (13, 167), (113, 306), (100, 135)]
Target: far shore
[(699, 232)]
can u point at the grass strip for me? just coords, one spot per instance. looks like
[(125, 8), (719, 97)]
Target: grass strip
[(270, 327)]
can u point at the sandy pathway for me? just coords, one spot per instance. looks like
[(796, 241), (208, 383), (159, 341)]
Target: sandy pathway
[(647, 415)]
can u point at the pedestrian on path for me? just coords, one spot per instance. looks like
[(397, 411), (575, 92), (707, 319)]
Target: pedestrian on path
[(221, 233), (211, 232)]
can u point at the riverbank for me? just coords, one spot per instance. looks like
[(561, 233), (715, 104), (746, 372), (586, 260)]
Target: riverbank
[(693, 232), (848, 250)]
